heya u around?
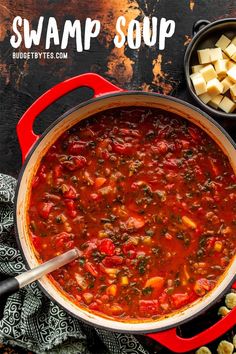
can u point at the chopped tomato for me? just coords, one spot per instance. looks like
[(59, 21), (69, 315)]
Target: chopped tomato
[(76, 147), (35, 181), (135, 222), (91, 269), (37, 242), (70, 193), (61, 239), (180, 299), (112, 261), (124, 149), (148, 307), (106, 246), (57, 171), (44, 209), (74, 163), (202, 286), (194, 133)]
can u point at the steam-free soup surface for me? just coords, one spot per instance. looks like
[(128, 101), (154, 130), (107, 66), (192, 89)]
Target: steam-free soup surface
[(150, 201)]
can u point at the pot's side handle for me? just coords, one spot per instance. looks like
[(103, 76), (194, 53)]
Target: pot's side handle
[(199, 24), (25, 133), (171, 340)]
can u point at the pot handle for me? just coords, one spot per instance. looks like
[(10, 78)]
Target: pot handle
[(171, 340), (199, 24), (25, 133)]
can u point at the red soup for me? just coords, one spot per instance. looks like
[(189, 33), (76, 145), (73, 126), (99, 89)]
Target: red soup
[(150, 201)]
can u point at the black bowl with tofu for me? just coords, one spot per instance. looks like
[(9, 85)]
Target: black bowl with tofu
[(211, 74)]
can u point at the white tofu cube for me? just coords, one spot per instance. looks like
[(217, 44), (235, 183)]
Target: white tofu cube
[(232, 73), (234, 57), (194, 75), (233, 92), (215, 101), (204, 56), (199, 84), (205, 97), (227, 105), (230, 64), (215, 54), (208, 72), (234, 40), (230, 50), (227, 83), (223, 42), (214, 87), (196, 68), (224, 56), (221, 67)]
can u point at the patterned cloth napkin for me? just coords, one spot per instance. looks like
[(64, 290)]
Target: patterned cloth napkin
[(30, 320)]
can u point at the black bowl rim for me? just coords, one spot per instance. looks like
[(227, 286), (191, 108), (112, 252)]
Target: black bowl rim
[(187, 57)]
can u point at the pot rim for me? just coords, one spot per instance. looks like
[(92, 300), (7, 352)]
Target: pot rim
[(24, 167), (187, 56)]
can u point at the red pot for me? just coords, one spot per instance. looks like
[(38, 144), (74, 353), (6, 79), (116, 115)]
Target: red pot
[(33, 147)]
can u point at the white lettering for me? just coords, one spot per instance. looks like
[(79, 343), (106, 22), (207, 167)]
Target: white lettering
[(52, 33), (32, 36), (150, 34), (167, 29), (16, 40), (72, 30), (119, 40), (134, 41), (92, 29)]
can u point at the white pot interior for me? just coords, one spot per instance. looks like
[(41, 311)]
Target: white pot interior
[(92, 107)]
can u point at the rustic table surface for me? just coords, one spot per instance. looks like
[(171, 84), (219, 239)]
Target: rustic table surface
[(22, 81)]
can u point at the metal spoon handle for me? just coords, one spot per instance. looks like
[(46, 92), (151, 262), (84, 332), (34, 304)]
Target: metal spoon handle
[(11, 285)]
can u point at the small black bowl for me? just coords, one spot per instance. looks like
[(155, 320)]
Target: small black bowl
[(205, 35)]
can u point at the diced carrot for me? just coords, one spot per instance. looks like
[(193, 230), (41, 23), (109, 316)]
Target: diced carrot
[(124, 280), (218, 246), (112, 290), (155, 283), (88, 297), (116, 309), (188, 222), (147, 240), (99, 181)]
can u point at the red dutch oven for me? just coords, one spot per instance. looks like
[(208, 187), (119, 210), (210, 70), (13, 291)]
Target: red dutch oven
[(33, 147)]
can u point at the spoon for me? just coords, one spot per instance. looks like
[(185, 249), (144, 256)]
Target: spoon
[(11, 285)]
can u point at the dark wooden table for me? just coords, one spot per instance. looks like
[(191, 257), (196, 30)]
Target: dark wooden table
[(22, 81)]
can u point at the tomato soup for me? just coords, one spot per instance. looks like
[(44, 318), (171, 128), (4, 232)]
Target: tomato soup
[(149, 199)]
